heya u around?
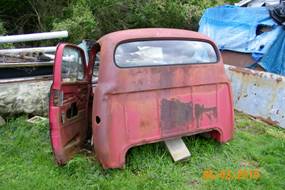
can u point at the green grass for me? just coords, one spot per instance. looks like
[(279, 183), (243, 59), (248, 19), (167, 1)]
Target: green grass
[(26, 162)]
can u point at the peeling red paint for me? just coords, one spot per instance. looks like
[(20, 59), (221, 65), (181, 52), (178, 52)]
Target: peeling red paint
[(200, 110), (175, 114), (149, 104)]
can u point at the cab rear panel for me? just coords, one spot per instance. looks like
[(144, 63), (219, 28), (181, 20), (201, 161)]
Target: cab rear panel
[(140, 105)]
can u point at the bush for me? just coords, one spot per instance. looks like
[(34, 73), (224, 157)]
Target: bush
[(3, 32), (80, 22), (124, 14), (113, 15), (94, 18), (2, 29)]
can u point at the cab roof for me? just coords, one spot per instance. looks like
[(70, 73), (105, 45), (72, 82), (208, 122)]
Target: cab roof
[(150, 33)]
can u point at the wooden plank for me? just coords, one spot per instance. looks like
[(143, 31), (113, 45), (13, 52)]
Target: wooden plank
[(177, 149)]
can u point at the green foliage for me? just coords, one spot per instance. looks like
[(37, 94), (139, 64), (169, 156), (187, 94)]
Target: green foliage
[(123, 14), (80, 22), (26, 161), (3, 32), (126, 14), (94, 18), (2, 29), (27, 16)]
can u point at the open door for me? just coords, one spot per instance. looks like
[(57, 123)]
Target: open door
[(68, 105)]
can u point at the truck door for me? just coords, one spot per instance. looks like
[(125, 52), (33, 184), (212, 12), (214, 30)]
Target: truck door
[(68, 105)]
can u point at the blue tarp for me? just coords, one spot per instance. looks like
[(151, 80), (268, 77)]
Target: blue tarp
[(274, 60), (235, 28)]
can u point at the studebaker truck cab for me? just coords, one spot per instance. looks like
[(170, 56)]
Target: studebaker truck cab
[(152, 85)]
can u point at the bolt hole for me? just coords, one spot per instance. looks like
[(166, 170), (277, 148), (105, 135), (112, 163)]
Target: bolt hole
[(98, 119)]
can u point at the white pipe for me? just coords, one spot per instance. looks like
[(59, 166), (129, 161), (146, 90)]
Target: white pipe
[(33, 37), (50, 56), (26, 79), (26, 64), (69, 58), (27, 50)]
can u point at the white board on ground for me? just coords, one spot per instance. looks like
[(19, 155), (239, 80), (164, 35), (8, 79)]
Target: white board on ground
[(177, 149)]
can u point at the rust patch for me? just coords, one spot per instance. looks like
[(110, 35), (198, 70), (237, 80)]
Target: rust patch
[(279, 79), (210, 112), (245, 71), (175, 114), (144, 124), (267, 120), (145, 127), (241, 70)]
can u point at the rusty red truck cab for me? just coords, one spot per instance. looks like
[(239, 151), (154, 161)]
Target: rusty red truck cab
[(152, 85)]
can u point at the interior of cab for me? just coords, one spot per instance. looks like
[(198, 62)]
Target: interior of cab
[(95, 72)]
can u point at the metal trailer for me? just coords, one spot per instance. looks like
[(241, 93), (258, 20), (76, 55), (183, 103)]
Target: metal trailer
[(256, 92)]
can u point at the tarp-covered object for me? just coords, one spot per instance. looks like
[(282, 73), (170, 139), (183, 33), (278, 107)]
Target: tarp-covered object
[(278, 13), (274, 60), (236, 28), (257, 3)]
